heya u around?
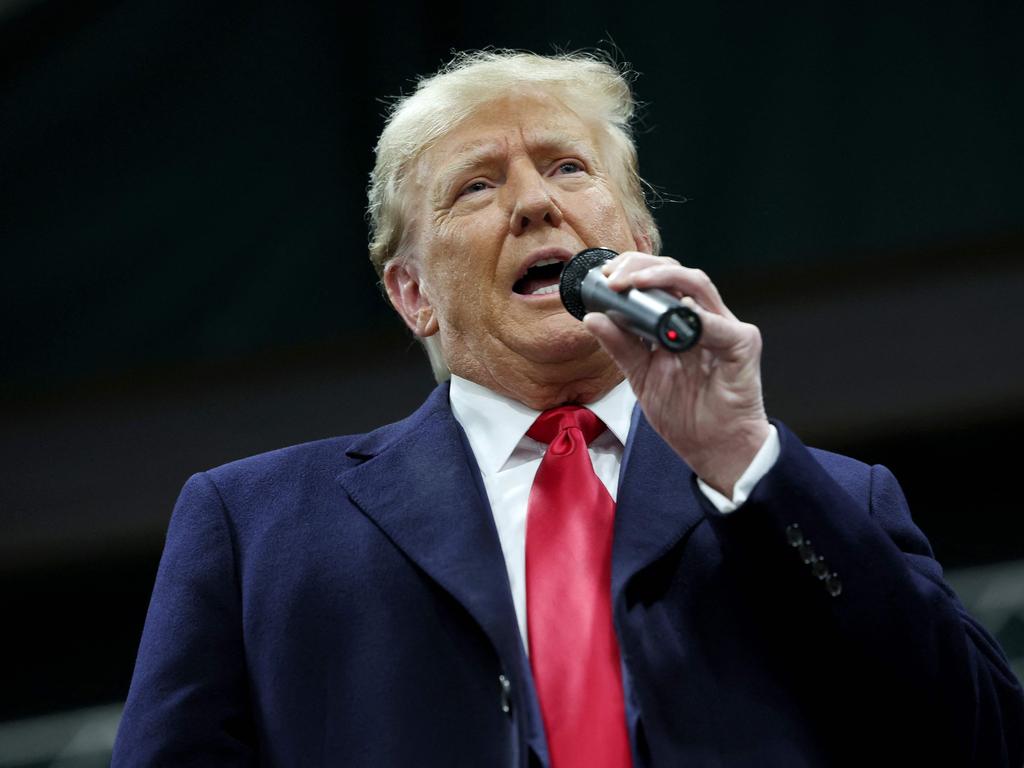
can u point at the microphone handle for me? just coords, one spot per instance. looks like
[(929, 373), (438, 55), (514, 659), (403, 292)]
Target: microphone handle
[(652, 314)]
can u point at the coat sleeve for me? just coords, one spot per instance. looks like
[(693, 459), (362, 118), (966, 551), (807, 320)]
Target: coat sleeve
[(842, 536), (189, 703)]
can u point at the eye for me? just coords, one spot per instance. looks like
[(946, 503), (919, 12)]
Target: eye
[(473, 186), (567, 167)]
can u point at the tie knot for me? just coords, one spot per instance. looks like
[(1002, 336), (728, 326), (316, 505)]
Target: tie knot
[(556, 422)]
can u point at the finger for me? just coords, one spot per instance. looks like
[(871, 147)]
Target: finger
[(675, 279), (725, 336), (630, 261), (627, 350)]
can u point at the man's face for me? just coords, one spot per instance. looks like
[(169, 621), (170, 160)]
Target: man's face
[(516, 185)]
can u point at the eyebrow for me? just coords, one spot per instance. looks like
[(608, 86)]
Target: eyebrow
[(475, 154), (471, 155)]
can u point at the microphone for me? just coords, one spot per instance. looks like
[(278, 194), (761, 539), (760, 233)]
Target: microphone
[(654, 315)]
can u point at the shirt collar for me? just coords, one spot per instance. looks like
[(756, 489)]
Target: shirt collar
[(495, 424)]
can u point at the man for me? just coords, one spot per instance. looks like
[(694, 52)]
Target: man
[(581, 551)]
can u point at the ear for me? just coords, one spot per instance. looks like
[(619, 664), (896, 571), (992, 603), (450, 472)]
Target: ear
[(405, 289), (643, 242)]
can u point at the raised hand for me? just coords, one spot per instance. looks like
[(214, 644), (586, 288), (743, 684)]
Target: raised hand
[(706, 403)]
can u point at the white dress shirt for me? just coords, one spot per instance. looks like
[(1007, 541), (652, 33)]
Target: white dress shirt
[(496, 428)]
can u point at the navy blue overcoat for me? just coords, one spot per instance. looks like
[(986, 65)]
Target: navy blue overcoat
[(345, 603)]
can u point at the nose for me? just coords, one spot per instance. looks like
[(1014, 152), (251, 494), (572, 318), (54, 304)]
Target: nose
[(532, 203)]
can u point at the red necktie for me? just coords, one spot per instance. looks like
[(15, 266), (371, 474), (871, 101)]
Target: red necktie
[(574, 653)]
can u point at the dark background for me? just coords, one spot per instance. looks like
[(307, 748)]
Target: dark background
[(185, 280)]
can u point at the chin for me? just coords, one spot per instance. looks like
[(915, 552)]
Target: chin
[(560, 341)]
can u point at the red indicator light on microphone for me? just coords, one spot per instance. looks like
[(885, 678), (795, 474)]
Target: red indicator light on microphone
[(672, 335)]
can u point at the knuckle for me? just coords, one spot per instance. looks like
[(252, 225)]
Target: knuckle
[(753, 334)]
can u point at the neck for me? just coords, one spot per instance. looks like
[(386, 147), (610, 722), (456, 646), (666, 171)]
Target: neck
[(547, 385)]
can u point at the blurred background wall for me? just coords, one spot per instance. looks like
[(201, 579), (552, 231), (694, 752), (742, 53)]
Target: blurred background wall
[(185, 281)]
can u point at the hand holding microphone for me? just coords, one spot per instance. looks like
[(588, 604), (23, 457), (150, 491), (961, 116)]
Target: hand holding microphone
[(654, 315), (706, 404)]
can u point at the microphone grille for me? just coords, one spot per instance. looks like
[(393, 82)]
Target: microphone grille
[(571, 282)]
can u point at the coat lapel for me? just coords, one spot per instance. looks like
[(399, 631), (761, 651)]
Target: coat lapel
[(418, 482), (656, 504)]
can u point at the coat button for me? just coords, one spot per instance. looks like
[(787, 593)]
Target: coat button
[(834, 585), (807, 552), (794, 535), (506, 694), (820, 568)]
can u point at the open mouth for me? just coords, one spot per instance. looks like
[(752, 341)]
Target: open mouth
[(540, 279)]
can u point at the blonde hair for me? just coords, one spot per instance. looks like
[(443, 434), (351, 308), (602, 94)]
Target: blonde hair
[(589, 84)]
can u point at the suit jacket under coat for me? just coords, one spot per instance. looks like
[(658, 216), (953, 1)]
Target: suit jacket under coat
[(345, 602)]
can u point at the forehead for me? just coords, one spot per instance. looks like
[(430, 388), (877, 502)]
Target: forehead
[(536, 120)]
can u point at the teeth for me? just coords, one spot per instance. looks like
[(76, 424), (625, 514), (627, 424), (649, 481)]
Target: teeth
[(545, 290), (545, 262)]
